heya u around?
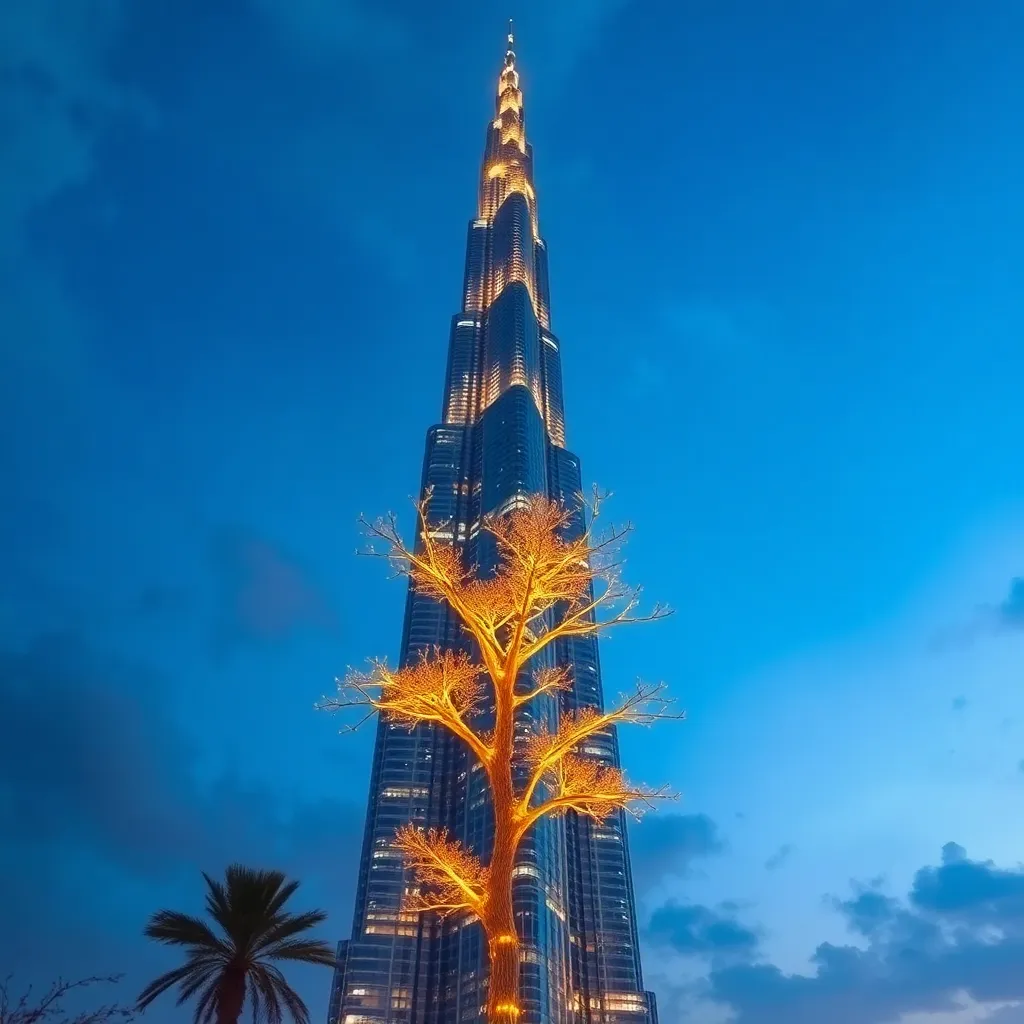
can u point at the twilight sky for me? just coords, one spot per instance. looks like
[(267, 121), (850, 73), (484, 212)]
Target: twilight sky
[(786, 243)]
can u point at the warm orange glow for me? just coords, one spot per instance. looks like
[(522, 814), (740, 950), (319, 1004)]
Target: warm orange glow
[(454, 878), (546, 587)]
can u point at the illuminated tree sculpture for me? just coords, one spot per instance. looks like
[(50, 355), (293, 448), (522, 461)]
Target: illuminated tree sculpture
[(548, 585)]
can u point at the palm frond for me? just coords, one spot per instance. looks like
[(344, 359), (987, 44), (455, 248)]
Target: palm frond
[(266, 1005), (217, 905), (309, 951), (297, 1009), (244, 905), (206, 1008), (285, 891), (202, 974), (161, 985), (241, 879), (176, 929), (288, 925)]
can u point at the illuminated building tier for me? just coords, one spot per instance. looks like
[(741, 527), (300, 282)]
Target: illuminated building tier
[(502, 437)]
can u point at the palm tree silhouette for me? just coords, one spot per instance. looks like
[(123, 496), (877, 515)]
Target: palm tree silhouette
[(256, 930)]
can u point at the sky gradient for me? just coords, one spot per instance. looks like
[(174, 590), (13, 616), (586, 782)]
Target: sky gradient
[(786, 245)]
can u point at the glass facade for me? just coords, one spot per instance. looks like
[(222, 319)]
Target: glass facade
[(502, 438)]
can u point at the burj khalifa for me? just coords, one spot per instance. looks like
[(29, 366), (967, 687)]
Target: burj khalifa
[(501, 438)]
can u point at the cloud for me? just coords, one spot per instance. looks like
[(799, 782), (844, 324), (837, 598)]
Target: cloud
[(324, 29), (694, 930), (65, 742), (1011, 610), (779, 857), (667, 844), (105, 818), (987, 620), (976, 892), (1012, 1014), (958, 933), (56, 97), (264, 594), (568, 30), (57, 101)]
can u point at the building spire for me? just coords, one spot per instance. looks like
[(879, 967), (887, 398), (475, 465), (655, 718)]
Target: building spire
[(510, 53)]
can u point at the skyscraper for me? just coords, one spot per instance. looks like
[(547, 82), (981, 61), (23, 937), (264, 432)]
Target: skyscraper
[(501, 438)]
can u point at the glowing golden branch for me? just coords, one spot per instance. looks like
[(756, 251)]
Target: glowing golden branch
[(588, 787), (453, 878), (443, 686), (582, 619), (539, 570), (546, 680), (546, 750), (435, 569)]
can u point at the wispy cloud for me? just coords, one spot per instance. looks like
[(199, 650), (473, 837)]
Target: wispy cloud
[(568, 30), (779, 857), (327, 29), (1010, 612), (987, 620), (58, 98), (265, 594)]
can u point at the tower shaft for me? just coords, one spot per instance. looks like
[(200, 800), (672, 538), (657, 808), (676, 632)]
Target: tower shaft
[(500, 439)]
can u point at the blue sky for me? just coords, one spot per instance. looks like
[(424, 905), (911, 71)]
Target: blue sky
[(786, 250)]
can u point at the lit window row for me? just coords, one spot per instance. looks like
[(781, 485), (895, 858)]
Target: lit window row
[(389, 929), (525, 870), (626, 1002)]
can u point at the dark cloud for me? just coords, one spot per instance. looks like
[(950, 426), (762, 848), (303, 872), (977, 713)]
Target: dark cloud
[(66, 740), (973, 892), (327, 29), (58, 101), (868, 911), (264, 594), (960, 929), (988, 620), (667, 844), (57, 98), (779, 857), (1011, 611), (695, 930), (162, 601), (106, 819)]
